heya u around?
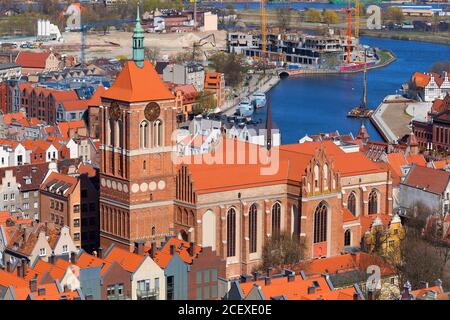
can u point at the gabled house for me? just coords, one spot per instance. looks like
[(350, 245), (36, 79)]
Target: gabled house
[(146, 277)]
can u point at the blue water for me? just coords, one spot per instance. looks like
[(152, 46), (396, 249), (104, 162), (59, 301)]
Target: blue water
[(313, 104)]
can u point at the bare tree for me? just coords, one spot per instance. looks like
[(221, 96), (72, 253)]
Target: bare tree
[(283, 250), (284, 17)]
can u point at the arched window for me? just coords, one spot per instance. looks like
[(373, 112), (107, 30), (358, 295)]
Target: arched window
[(320, 223), (179, 215), (276, 220), (351, 203), (143, 134), (158, 134), (185, 217), (316, 177), (144, 165), (120, 134), (112, 127), (347, 237), (231, 233), (253, 227), (373, 202), (325, 177)]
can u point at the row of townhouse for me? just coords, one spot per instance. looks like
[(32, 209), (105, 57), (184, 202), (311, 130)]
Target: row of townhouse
[(172, 271), (45, 103)]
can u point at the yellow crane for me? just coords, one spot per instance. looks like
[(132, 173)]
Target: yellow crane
[(263, 29), (358, 7)]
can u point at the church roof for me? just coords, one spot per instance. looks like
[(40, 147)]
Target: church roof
[(134, 84)]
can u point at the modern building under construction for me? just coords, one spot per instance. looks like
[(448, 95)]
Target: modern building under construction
[(296, 49)]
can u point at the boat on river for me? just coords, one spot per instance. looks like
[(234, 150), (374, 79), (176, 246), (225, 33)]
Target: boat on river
[(245, 108), (259, 100), (362, 111)]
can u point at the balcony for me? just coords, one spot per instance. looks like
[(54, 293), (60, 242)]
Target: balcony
[(150, 294)]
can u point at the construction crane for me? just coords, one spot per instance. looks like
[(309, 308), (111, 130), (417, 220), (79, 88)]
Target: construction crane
[(85, 27), (358, 7), (349, 11), (263, 29)]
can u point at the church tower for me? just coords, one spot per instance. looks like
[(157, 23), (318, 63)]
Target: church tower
[(137, 177)]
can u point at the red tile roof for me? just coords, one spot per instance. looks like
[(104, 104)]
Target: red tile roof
[(427, 179), (128, 260), (30, 59), (134, 84)]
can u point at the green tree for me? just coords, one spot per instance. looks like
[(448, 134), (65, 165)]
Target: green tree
[(232, 65), (313, 15), (205, 103), (395, 14), (330, 17)]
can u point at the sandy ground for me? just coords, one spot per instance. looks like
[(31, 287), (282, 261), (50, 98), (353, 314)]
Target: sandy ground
[(117, 43)]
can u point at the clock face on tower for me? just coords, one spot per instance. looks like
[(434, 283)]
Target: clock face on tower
[(152, 111), (114, 111)]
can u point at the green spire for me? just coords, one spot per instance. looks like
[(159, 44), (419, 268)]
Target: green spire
[(138, 41)]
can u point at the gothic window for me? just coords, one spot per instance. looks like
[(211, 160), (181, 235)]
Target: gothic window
[(231, 233), (185, 217), (179, 215), (347, 237), (351, 203), (112, 139), (143, 134), (253, 227), (320, 223), (316, 177), (120, 134), (325, 177), (373, 202), (276, 220), (144, 165), (158, 133)]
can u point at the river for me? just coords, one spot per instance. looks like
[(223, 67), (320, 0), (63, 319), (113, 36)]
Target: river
[(312, 104)]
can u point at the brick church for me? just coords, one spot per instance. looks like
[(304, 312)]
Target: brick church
[(319, 192)]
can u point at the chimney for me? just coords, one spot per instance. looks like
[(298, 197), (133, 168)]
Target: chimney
[(73, 256), (172, 249), (191, 248), (152, 249), (51, 259), (24, 268), (291, 277), (311, 289), (100, 253), (267, 281), (269, 271), (8, 266), (33, 285), (19, 270), (41, 292), (139, 247)]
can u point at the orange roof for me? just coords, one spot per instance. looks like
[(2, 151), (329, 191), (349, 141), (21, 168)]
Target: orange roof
[(128, 260), (86, 260), (96, 99), (65, 126), (366, 221), (398, 159), (88, 169), (345, 263), (56, 270), (56, 177), (162, 257), (293, 161), (134, 84), (420, 79), (298, 289), (31, 59), (421, 292)]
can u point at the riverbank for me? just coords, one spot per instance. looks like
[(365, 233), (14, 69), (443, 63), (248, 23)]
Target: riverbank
[(442, 38), (386, 57), (264, 85)]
